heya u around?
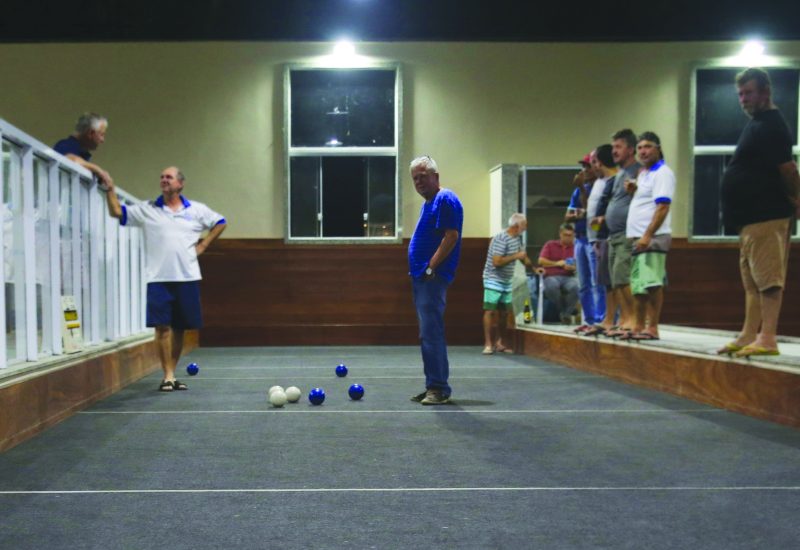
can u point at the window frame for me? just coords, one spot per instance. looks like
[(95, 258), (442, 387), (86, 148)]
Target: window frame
[(710, 150), (292, 152)]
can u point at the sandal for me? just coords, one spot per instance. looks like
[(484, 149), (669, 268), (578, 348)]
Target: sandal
[(166, 386), (503, 349), (596, 330), (487, 351), (751, 350), (729, 349), (178, 385), (619, 332), (642, 336)]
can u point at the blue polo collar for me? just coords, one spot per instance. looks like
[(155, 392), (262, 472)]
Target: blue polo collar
[(160, 201), (657, 165)]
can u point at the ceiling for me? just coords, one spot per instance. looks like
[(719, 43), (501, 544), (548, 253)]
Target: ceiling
[(398, 20)]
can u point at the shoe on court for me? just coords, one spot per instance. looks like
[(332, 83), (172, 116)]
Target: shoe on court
[(435, 397), (419, 397)]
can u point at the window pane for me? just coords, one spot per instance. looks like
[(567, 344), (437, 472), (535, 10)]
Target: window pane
[(719, 119), (708, 170), (41, 213), (342, 108), (344, 194), (13, 252), (381, 196), (304, 199)]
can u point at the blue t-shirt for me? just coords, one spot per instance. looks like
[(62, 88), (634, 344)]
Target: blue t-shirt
[(575, 202), (439, 214), (71, 146)]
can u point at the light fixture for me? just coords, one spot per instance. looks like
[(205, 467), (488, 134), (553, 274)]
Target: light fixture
[(344, 49), (752, 54)]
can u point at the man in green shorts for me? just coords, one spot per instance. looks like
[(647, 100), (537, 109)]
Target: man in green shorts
[(505, 248), (649, 228)]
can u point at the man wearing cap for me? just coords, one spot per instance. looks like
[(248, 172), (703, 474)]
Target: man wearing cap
[(585, 260), (649, 228), (759, 195)]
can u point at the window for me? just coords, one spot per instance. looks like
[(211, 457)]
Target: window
[(718, 120), (342, 148)]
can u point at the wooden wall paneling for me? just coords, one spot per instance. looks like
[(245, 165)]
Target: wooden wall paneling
[(735, 385), (265, 292), (37, 402)]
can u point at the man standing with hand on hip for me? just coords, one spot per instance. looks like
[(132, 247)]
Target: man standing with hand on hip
[(172, 228), (432, 260)]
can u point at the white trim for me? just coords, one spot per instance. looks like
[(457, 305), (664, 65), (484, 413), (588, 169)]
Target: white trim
[(3, 335), (29, 254), (55, 258), (20, 138), (343, 152), (123, 245)]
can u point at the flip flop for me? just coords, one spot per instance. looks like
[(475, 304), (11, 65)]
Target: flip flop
[(487, 351), (503, 350), (595, 331), (618, 333), (751, 350), (729, 349), (643, 336)]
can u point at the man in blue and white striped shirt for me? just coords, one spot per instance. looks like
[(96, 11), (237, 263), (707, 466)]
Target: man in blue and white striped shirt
[(505, 249)]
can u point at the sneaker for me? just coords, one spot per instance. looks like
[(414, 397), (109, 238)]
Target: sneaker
[(418, 398), (435, 397)]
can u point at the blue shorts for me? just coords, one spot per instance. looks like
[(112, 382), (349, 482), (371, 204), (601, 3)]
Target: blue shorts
[(174, 304)]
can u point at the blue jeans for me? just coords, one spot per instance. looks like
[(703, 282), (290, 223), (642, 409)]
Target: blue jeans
[(593, 297), (430, 299)]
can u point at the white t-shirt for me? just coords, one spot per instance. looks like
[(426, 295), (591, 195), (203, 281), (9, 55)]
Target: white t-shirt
[(654, 186), (591, 207), (170, 237)]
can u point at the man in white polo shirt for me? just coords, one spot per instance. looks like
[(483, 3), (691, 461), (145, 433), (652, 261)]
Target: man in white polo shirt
[(649, 227), (172, 228)]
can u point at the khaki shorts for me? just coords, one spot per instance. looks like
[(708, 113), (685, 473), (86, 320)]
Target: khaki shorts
[(619, 260), (764, 254)]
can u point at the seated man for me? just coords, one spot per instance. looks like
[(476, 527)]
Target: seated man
[(560, 284)]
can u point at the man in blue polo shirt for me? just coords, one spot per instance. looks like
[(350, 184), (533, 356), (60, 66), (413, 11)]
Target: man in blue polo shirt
[(432, 260), (90, 133), (172, 228)]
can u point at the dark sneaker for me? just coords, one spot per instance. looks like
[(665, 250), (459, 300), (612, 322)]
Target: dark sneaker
[(435, 397), (420, 397)]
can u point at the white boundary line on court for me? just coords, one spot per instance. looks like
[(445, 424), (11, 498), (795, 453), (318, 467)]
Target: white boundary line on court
[(425, 410), (410, 377), (410, 490), (415, 368)]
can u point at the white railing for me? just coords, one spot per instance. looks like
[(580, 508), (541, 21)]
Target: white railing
[(59, 241)]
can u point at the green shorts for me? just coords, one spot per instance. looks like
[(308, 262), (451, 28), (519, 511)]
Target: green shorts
[(649, 270), (496, 299)]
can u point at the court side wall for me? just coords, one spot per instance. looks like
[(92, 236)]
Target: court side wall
[(216, 110)]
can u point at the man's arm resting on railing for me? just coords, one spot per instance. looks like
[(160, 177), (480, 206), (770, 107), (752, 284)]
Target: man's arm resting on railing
[(114, 207), (101, 174)]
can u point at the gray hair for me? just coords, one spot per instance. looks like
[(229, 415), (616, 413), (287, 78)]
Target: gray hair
[(516, 219), (425, 161), (89, 121), (179, 175)]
